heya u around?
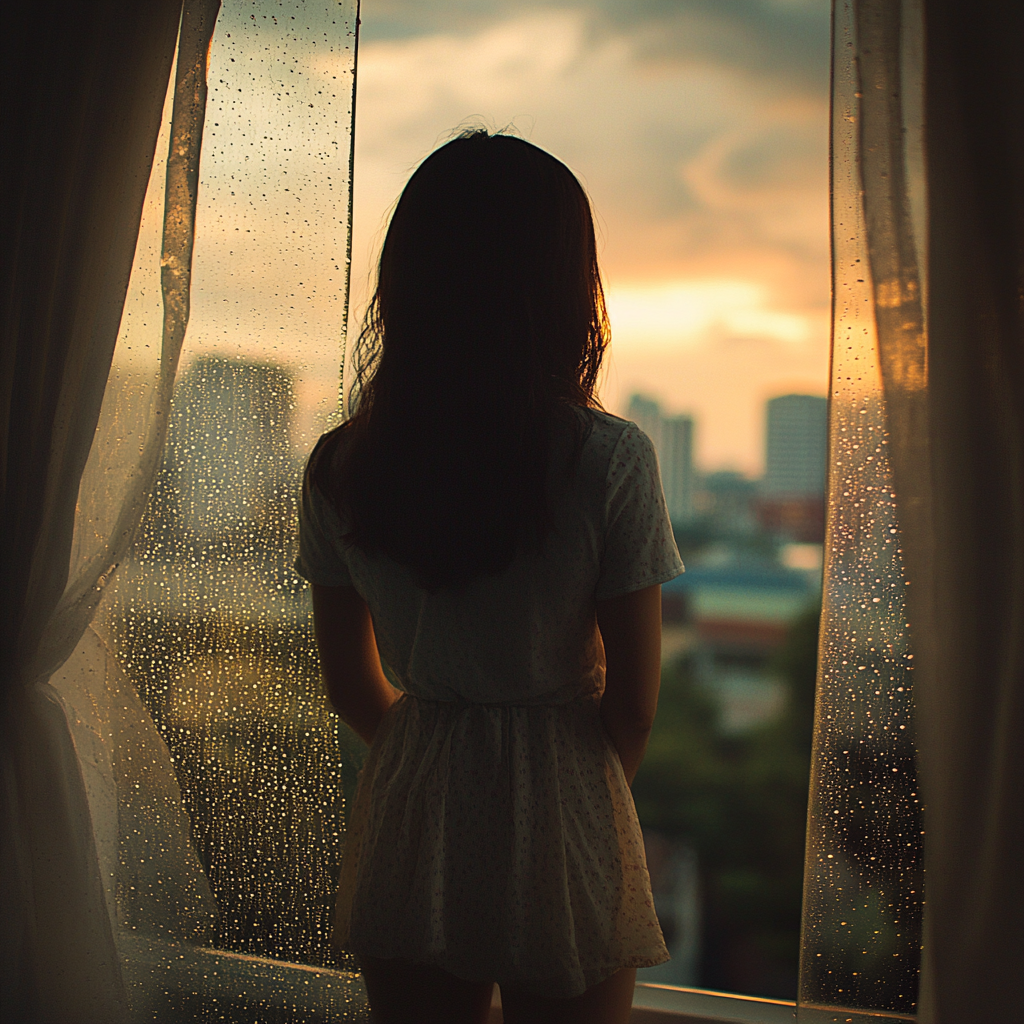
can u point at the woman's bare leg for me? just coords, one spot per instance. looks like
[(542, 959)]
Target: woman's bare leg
[(608, 1002), (403, 992)]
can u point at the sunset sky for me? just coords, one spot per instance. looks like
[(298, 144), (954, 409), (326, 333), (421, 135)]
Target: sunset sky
[(700, 130)]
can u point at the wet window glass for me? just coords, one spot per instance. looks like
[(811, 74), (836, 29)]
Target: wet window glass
[(864, 884), (231, 771)]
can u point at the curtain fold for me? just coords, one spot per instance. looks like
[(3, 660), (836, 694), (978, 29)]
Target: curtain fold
[(883, 77), (972, 711), (89, 85), (955, 406), (96, 564), (85, 115)]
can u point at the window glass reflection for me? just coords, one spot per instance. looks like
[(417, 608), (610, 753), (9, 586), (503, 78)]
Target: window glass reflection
[(206, 616)]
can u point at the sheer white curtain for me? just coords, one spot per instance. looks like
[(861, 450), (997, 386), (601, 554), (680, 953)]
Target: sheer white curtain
[(950, 325), (90, 89)]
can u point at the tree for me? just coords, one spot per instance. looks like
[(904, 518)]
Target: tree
[(741, 802)]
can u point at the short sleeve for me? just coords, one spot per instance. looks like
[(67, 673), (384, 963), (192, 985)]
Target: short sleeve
[(640, 549), (320, 560)]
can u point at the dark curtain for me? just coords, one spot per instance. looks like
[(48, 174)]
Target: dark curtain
[(85, 86), (953, 372), (972, 701)]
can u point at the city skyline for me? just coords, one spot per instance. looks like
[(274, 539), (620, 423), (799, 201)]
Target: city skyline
[(266, 390), (794, 445)]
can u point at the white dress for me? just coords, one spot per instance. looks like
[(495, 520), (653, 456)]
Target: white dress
[(493, 833)]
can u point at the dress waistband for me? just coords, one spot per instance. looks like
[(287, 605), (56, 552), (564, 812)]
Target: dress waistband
[(462, 703)]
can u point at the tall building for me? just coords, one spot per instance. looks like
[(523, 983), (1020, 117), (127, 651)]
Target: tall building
[(673, 441), (676, 457), (795, 454), (227, 446), (792, 504)]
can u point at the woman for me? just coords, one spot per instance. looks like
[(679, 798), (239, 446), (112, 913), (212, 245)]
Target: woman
[(501, 542)]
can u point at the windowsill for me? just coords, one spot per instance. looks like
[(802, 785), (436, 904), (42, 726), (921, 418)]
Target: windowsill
[(170, 982), (659, 1004)]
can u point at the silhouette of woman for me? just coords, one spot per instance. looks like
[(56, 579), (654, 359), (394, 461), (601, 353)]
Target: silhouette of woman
[(500, 541)]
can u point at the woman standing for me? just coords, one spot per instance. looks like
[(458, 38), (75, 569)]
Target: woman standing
[(499, 541)]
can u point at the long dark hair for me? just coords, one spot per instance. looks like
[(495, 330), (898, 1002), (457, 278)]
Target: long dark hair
[(488, 323)]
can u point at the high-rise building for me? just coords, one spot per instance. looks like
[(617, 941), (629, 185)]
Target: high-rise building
[(673, 441), (676, 455), (792, 504), (795, 447), (228, 442)]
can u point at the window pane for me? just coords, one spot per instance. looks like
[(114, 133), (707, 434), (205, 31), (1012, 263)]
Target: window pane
[(863, 897), (207, 617)]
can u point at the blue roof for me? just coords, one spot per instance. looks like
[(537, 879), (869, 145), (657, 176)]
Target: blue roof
[(750, 576)]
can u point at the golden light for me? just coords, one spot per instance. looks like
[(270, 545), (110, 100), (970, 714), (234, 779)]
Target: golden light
[(687, 312)]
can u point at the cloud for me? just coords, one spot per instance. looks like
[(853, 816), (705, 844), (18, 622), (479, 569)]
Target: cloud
[(778, 41), (689, 313), (686, 164)]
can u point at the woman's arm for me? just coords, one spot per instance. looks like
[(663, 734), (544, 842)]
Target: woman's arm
[(631, 630), (349, 661)]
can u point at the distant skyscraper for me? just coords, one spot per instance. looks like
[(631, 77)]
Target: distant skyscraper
[(673, 441), (676, 457), (792, 504), (795, 452), (228, 441)]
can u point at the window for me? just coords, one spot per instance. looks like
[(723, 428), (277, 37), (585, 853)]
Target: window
[(701, 133), (226, 826), (199, 672)]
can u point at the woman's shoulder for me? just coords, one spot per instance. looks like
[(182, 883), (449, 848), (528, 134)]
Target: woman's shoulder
[(603, 420), (601, 443), (322, 466), (327, 454), (605, 434), (601, 424)]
